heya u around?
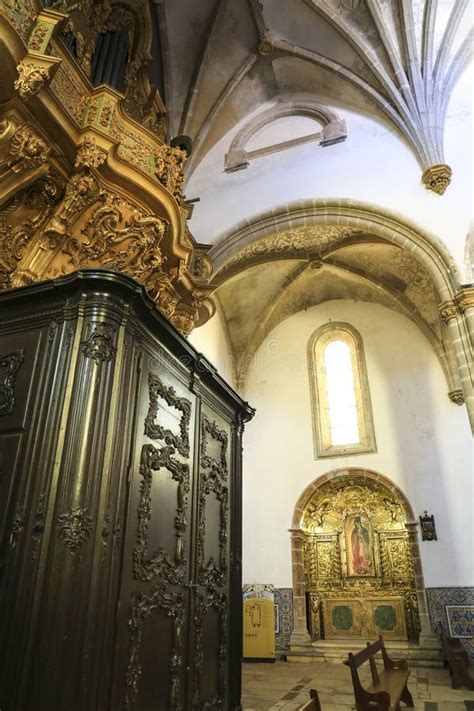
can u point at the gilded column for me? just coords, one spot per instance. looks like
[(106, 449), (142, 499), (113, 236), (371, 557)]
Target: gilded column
[(300, 635)]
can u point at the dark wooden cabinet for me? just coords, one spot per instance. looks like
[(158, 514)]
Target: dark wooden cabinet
[(120, 506)]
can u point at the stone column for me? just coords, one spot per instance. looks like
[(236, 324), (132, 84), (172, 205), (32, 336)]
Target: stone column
[(300, 636), (458, 315), (427, 637), (465, 302)]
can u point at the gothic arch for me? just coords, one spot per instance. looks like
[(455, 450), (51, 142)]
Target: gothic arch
[(313, 232), (298, 539), (333, 130)]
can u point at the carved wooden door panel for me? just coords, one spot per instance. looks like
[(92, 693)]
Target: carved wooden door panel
[(154, 600), (210, 632)]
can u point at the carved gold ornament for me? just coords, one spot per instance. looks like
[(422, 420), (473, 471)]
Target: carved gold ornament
[(95, 186), (89, 154), (357, 548), (437, 178), (31, 79)]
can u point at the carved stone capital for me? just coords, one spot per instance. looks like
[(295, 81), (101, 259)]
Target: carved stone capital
[(456, 396), (31, 79), (448, 310), (265, 47), (465, 299), (437, 178)]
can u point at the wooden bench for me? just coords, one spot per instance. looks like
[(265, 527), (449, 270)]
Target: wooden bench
[(457, 659), (313, 704), (388, 688)]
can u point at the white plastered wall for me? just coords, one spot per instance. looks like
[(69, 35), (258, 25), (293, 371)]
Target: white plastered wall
[(211, 341), (374, 165), (423, 440)]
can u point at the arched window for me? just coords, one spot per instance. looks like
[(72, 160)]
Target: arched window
[(342, 414)]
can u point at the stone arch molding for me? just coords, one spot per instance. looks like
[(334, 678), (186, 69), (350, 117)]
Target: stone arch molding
[(300, 634), (318, 227), (333, 131)]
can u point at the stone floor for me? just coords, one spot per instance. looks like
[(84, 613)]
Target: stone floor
[(284, 686)]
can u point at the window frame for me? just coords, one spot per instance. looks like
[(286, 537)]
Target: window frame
[(323, 447)]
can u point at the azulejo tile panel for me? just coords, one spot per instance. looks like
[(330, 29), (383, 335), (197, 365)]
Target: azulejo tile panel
[(454, 608), (283, 618), (460, 620)]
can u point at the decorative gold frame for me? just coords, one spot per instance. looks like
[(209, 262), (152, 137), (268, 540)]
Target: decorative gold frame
[(323, 446)]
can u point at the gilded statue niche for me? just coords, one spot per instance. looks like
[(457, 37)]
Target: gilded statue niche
[(359, 575)]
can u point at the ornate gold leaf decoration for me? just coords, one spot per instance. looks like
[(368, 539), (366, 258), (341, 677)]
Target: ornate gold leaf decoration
[(27, 150), (389, 569), (93, 187), (89, 154), (31, 79)]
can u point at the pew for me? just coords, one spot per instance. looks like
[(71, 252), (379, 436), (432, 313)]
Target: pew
[(457, 659), (388, 687), (313, 704)]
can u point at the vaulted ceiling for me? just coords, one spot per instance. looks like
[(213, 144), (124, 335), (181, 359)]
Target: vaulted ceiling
[(395, 59), (357, 266)]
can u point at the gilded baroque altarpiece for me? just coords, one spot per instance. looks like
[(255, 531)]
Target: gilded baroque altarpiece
[(87, 178), (358, 567)]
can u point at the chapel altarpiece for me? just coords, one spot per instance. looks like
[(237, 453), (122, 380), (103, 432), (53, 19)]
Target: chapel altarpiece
[(359, 576)]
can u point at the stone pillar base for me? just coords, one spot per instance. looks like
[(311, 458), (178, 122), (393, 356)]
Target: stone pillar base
[(429, 641), (298, 639)]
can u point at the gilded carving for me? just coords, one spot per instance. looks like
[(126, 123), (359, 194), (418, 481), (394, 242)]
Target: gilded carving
[(27, 150), (31, 79), (73, 217), (70, 92), (41, 32), (75, 528), (23, 216), (9, 366), (437, 178), (89, 154), (21, 14), (99, 346), (357, 548)]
